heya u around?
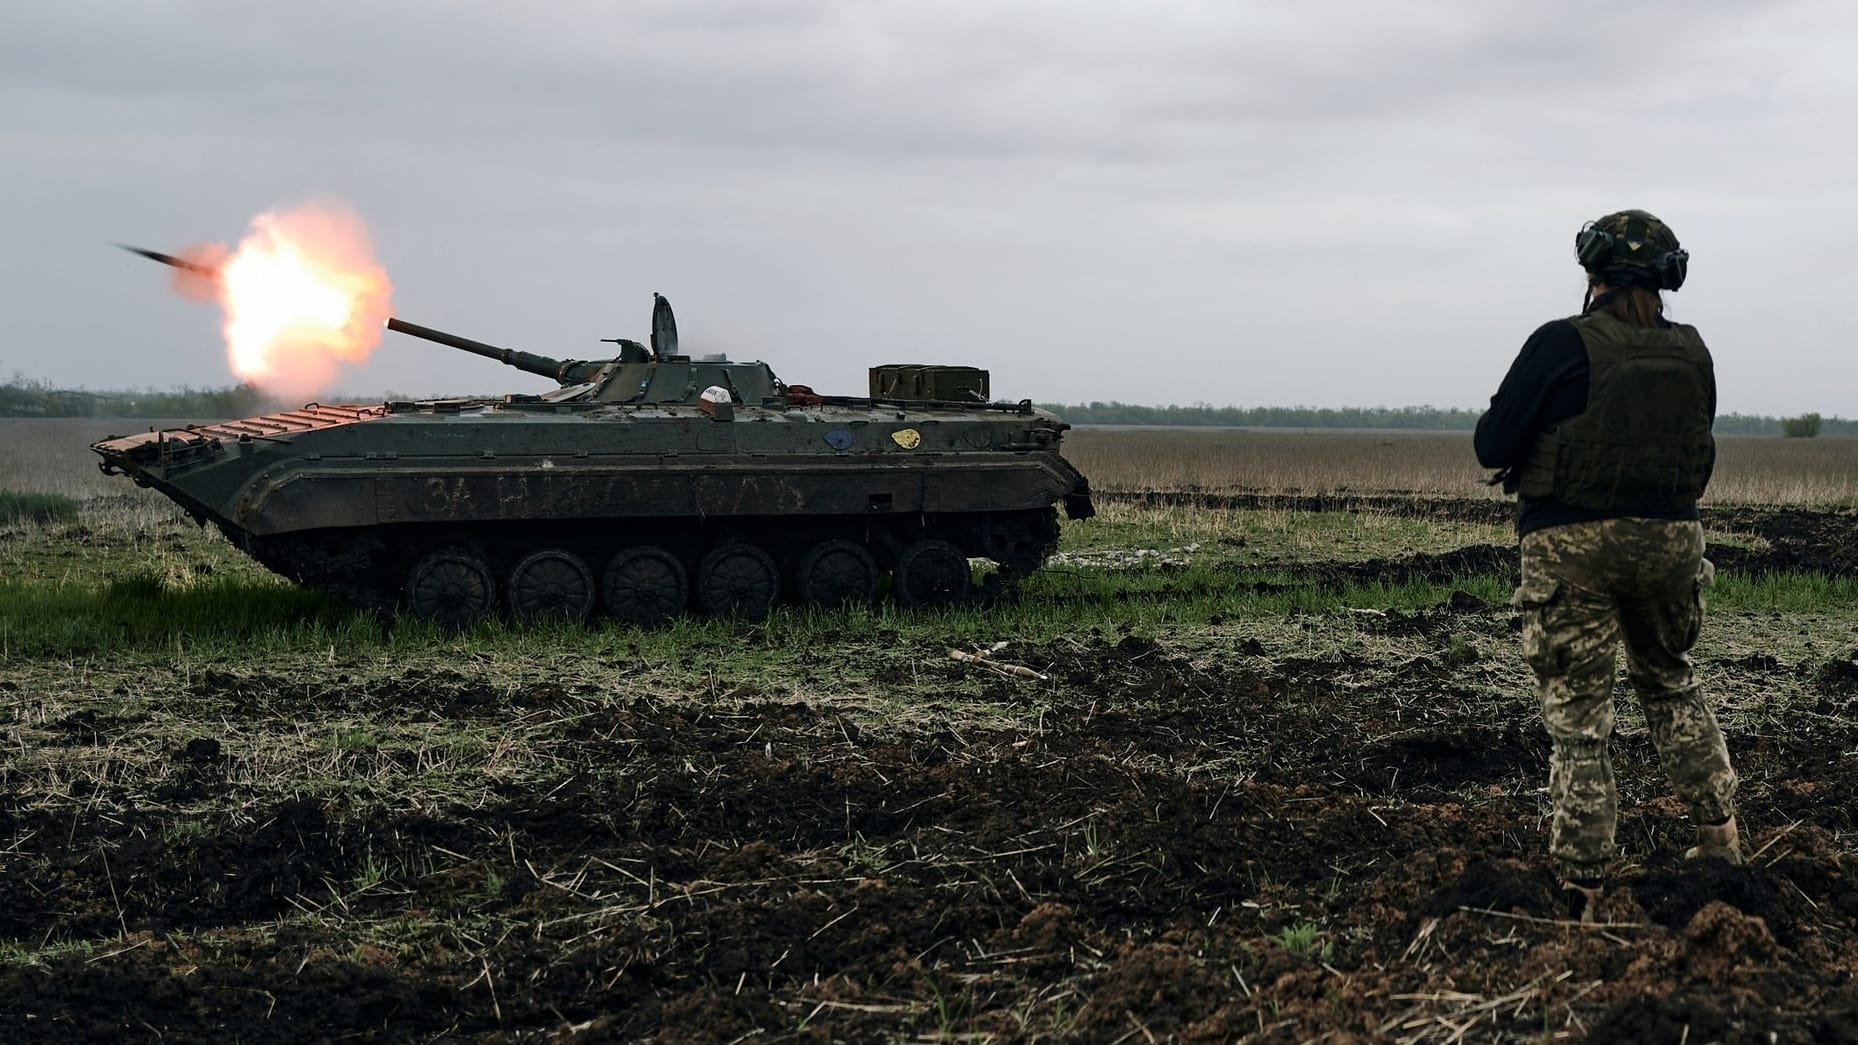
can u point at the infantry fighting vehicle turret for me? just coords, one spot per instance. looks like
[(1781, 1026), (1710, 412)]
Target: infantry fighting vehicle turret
[(645, 485)]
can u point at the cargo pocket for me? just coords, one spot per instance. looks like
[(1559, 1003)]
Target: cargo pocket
[(1533, 599), (1692, 625)]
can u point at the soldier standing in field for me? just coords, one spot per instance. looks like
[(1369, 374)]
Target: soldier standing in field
[(1602, 428)]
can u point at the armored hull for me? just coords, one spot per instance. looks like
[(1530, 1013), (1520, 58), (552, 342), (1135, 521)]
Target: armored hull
[(652, 486)]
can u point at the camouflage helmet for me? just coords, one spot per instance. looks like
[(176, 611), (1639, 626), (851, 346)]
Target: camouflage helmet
[(1632, 247)]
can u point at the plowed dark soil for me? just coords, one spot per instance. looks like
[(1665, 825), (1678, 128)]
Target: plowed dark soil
[(1323, 848)]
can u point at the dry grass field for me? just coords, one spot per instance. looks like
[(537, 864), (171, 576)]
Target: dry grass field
[(1750, 469), (1266, 774), (52, 456)]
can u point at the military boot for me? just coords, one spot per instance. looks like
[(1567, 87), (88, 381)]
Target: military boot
[(1721, 841)]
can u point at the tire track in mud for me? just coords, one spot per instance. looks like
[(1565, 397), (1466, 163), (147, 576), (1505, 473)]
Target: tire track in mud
[(706, 868)]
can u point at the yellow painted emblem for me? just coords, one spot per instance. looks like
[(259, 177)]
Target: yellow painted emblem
[(908, 438)]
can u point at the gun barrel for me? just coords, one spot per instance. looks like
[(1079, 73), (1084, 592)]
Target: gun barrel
[(528, 362)]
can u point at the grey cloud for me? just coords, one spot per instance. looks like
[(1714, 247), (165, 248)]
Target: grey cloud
[(1262, 202)]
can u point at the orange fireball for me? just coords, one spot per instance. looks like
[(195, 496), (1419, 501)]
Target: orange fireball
[(302, 294)]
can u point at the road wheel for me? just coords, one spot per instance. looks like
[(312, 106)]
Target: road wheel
[(450, 589), (738, 580), (837, 573), (646, 585), (552, 583), (931, 573)]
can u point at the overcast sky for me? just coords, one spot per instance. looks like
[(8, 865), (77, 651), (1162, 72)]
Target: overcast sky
[(1329, 202)]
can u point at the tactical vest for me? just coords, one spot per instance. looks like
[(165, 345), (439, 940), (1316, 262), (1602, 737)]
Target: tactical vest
[(1643, 443)]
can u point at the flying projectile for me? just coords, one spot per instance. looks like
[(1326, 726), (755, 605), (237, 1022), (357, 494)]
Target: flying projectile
[(169, 259)]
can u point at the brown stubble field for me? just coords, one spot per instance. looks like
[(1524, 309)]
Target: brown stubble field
[(1280, 780), (1751, 469)]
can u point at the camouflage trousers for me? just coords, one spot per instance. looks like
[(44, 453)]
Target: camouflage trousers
[(1585, 587)]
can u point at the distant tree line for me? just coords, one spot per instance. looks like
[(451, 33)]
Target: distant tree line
[(21, 397), (1412, 418), (1806, 426), (1424, 418)]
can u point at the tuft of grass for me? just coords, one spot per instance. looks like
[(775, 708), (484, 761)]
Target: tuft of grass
[(1459, 653), (36, 508), (138, 586), (1304, 940)]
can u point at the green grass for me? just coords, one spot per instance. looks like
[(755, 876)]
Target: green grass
[(234, 616), (36, 508), (1304, 940), (168, 590), (142, 610), (108, 604), (1788, 592)]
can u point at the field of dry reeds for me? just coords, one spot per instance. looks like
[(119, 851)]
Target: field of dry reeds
[(1750, 469)]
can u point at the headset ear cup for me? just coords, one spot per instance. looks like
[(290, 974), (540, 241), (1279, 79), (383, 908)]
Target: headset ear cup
[(1672, 268), (1592, 246)]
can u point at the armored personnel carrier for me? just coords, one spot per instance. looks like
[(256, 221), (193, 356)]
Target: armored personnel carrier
[(645, 485)]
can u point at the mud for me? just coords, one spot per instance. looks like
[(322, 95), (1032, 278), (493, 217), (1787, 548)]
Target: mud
[(1271, 851), (1232, 847)]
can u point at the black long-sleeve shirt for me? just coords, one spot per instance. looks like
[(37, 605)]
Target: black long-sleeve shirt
[(1546, 385)]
